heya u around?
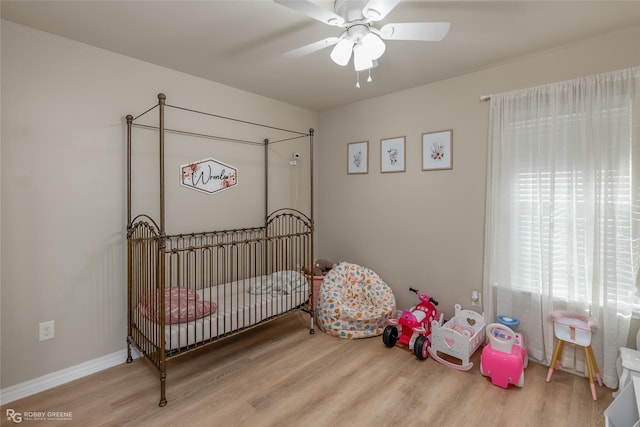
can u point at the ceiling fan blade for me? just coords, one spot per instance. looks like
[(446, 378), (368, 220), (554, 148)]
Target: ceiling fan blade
[(313, 11), (377, 10), (312, 47), (422, 31)]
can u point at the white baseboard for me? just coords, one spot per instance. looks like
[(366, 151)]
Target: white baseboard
[(54, 379)]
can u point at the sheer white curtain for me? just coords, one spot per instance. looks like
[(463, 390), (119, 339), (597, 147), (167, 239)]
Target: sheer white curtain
[(563, 210)]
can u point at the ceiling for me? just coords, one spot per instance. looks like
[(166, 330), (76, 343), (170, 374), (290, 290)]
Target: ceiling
[(242, 43)]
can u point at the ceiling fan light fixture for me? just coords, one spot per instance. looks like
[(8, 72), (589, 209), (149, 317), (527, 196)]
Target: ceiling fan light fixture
[(361, 58), (341, 53), (373, 45)]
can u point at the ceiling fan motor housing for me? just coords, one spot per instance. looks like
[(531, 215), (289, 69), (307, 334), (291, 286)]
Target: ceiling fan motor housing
[(357, 32), (350, 10)]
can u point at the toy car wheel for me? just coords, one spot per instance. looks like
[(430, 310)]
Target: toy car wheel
[(526, 362), (421, 347), (520, 382), (482, 370), (390, 336)]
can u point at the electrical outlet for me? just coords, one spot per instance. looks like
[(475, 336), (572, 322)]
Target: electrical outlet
[(46, 330), (476, 299)]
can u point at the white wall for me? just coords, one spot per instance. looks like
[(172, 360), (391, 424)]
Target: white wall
[(64, 188), (426, 229)]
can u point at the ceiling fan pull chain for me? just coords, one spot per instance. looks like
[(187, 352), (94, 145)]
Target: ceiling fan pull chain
[(369, 79), (358, 79)]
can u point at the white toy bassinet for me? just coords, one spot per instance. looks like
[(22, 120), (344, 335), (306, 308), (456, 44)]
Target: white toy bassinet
[(459, 338)]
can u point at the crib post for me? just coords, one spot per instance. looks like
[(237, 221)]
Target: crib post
[(313, 313), (312, 261), (160, 284), (161, 103), (311, 132), (129, 358), (163, 386), (129, 273), (266, 181)]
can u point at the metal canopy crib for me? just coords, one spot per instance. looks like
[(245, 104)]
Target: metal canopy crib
[(187, 291)]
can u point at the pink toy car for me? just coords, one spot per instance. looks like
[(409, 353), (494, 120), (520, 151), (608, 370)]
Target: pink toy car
[(505, 357), (415, 326)]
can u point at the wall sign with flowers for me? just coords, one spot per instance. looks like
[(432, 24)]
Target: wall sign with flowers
[(208, 176), (437, 150)]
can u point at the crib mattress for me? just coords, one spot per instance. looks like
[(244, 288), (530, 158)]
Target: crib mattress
[(238, 306)]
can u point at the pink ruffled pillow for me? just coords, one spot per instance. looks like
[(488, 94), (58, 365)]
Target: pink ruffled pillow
[(180, 305)]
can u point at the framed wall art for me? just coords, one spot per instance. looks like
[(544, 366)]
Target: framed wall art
[(358, 157), (392, 154), (437, 150)]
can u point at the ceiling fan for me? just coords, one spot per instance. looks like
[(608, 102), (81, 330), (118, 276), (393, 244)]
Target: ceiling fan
[(361, 38)]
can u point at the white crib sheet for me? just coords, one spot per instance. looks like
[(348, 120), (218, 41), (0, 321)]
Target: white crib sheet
[(236, 308)]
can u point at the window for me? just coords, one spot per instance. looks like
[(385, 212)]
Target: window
[(554, 218), (563, 209)]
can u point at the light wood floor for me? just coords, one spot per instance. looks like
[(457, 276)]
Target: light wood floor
[(279, 375)]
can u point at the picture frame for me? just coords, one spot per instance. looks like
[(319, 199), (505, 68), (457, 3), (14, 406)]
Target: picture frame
[(358, 158), (392, 154), (437, 150)]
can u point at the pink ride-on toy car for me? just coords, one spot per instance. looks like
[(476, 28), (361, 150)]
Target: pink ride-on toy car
[(504, 358), (414, 326)]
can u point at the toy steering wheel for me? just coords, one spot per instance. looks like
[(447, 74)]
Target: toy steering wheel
[(501, 337)]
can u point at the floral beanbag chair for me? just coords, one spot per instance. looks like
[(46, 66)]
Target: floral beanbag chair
[(354, 302)]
